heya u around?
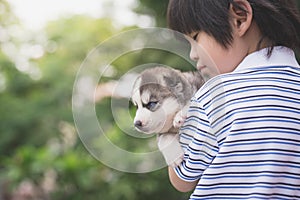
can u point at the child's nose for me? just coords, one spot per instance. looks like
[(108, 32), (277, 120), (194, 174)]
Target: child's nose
[(193, 54)]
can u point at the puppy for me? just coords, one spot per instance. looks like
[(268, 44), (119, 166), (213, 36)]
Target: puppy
[(162, 97)]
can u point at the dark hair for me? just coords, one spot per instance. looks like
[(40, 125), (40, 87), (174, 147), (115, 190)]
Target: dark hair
[(278, 20)]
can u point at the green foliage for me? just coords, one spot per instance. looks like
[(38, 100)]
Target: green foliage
[(38, 138), (6, 17), (154, 8)]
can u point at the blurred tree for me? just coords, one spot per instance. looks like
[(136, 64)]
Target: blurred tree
[(36, 122), (34, 108), (154, 8)]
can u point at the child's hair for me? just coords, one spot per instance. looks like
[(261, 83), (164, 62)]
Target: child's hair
[(278, 20)]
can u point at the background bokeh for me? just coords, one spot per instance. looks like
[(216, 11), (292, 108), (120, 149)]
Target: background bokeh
[(41, 155)]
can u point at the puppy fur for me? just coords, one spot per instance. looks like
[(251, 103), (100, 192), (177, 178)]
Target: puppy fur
[(162, 98)]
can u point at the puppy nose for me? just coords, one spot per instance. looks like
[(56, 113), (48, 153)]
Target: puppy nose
[(138, 124)]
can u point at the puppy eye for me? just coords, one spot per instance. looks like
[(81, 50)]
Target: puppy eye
[(151, 105)]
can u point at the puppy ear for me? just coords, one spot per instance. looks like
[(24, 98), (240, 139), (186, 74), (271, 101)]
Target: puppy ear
[(174, 83)]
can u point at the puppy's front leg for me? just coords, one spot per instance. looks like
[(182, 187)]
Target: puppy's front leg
[(180, 116), (168, 144)]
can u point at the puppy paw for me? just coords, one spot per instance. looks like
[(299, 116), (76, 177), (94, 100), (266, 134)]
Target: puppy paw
[(179, 120), (171, 149)]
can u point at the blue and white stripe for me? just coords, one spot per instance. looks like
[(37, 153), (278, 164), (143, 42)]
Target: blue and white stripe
[(242, 133)]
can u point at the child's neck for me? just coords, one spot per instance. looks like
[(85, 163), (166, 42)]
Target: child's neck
[(256, 40)]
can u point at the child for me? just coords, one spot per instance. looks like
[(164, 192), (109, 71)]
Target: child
[(243, 124)]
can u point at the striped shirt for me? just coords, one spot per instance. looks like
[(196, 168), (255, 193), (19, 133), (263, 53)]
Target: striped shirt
[(242, 132)]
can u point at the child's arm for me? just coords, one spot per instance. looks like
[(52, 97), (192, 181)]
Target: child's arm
[(200, 152), (179, 184)]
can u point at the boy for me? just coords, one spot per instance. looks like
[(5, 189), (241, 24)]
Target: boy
[(242, 132)]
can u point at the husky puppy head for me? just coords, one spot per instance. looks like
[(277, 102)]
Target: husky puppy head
[(158, 93)]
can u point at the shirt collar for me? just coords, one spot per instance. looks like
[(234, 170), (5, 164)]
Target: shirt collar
[(281, 56)]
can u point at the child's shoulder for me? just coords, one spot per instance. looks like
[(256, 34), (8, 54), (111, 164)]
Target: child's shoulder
[(213, 86)]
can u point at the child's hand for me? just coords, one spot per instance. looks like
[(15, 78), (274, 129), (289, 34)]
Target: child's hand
[(170, 147)]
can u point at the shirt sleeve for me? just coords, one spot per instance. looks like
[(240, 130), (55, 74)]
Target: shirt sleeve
[(199, 143)]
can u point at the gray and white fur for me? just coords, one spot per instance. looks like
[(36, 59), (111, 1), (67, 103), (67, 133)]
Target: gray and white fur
[(162, 97)]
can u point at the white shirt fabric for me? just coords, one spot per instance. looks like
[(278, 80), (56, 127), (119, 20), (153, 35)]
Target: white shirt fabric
[(242, 133)]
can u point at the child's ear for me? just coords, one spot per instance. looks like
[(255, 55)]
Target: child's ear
[(241, 14)]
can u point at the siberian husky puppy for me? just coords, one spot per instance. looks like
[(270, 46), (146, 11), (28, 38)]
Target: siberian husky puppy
[(162, 97)]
